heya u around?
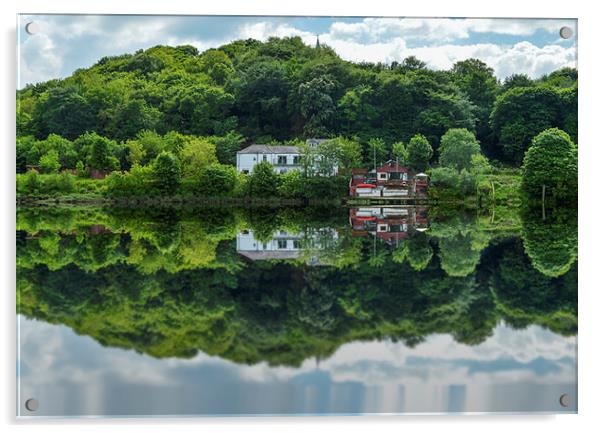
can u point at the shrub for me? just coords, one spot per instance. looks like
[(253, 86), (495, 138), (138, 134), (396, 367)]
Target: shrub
[(419, 152), (137, 182), (49, 162), (551, 161), (458, 145), (292, 185), (216, 180), (166, 173), (263, 182)]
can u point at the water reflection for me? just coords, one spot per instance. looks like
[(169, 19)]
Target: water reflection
[(226, 293)]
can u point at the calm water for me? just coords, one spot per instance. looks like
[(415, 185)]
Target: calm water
[(295, 311)]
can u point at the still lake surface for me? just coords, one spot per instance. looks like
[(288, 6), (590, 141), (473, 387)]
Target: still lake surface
[(228, 311)]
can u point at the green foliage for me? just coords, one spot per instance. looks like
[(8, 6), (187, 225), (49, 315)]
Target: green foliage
[(49, 162), (349, 153), (263, 182), (215, 180), (551, 161), (167, 173), (477, 80), (196, 155), (523, 112), (122, 275), (292, 185), (34, 184), (400, 153), (138, 182), (458, 146), (281, 89), (550, 240), (419, 153), (226, 147), (64, 111)]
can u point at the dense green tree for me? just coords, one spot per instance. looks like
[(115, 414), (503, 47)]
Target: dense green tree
[(551, 163), (135, 116), (419, 152), (477, 80), (215, 180), (167, 173), (520, 114), (317, 106), (226, 147), (400, 152), (197, 154), (550, 240), (458, 146), (263, 182), (517, 80), (200, 110), (49, 162), (261, 92), (349, 154), (63, 111), (97, 151)]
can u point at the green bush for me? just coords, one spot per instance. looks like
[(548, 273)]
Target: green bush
[(292, 185), (551, 161), (215, 180), (263, 182), (137, 182), (35, 184)]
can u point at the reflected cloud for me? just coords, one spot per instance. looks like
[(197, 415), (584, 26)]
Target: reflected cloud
[(437, 375)]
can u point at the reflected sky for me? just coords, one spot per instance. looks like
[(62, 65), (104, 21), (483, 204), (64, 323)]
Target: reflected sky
[(513, 371)]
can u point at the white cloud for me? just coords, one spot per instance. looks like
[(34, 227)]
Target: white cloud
[(66, 43), (438, 29)]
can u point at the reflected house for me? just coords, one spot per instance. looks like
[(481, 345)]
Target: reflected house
[(282, 158), (390, 180), (283, 245), (390, 224)]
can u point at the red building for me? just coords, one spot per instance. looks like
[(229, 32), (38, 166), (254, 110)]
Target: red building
[(390, 224), (390, 180)]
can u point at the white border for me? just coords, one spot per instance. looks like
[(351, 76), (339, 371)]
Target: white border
[(589, 159)]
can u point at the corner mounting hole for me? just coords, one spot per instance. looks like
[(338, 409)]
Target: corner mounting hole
[(32, 405), (564, 400), (31, 28), (566, 32)]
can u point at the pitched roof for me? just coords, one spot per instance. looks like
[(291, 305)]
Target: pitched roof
[(264, 148), (392, 166)]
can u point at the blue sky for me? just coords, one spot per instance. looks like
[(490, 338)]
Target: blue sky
[(531, 46)]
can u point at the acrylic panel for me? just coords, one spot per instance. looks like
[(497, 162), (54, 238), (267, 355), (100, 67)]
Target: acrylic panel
[(249, 215)]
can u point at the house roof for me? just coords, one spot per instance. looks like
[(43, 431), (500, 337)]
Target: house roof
[(392, 167), (264, 148)]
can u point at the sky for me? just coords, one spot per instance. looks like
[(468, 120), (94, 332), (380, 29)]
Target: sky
[(65, 43), (513, 370)]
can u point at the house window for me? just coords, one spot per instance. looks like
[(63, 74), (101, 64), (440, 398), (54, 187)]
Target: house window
[(297, 244), (296, 159), (382, 176), (281, 244), (382, 228), (245, 171), (281, 160), (265, 157)]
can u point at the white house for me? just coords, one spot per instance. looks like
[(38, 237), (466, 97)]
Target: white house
[(284, 245), (283, 158)]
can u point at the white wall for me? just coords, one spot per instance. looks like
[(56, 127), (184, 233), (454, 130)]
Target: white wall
[(246, 161)]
